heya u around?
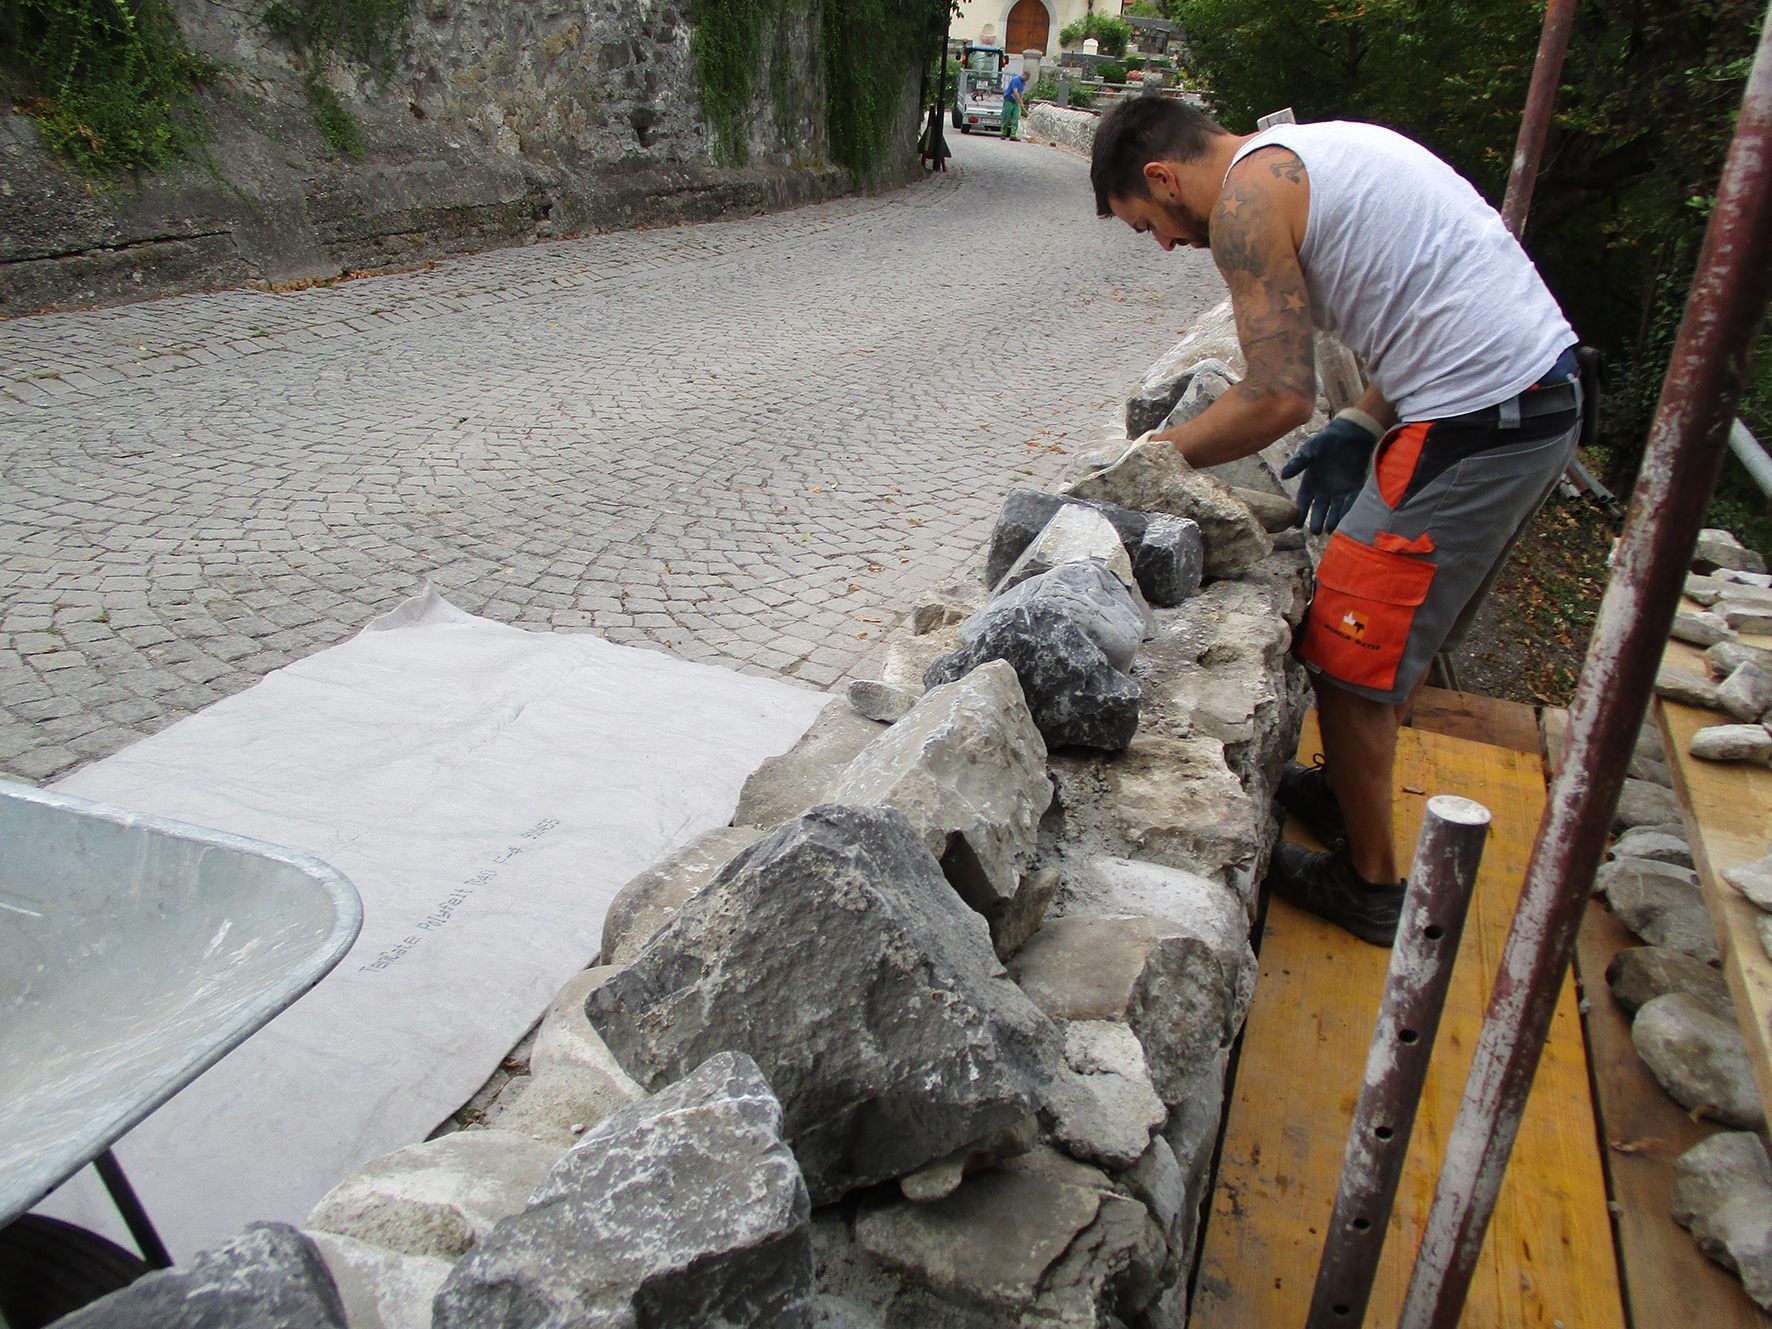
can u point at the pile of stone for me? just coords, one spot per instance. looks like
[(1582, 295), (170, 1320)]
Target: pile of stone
[(1733, 593), (935, 1032), (1683, 1019)]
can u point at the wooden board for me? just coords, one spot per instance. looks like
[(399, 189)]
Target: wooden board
[(1548, 1259), (1667, 1280), (1470, 715), (1728, 808)]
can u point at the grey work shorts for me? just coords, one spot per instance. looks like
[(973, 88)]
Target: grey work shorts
[(1406, 570)]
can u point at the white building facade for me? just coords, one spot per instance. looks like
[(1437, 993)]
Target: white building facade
[(1022, 25)]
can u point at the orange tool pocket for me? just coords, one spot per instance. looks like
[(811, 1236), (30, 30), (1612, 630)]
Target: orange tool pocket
[(1364, 607)]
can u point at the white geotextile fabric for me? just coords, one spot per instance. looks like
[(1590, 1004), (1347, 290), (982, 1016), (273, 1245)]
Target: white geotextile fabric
[(487, 790)]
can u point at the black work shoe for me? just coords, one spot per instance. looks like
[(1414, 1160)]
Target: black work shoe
[(1325, 884), (1304, 792)]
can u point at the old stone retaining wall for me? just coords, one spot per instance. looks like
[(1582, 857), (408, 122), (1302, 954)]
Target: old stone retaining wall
[(935, 1033), (498, 124)]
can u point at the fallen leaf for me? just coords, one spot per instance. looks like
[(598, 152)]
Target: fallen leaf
[(1636, 1146), (1411, 789)]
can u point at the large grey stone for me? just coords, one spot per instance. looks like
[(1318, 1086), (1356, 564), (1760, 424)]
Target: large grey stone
[(967, 767), (1747, 692), (1078, 698), (686, 1208), (1152, 477), (1182, 986), (1275, 512), (1644, 842), (1027, 512), (785, 786), (647, 904), (1105, 1110), (1642, 803), (1723, 1196), (1678, 685), (1700, 629), (269, 1277), (1089, 594), (1033, 1249), (1754, 880), (1754, 618), (1733, 742), (1169, 560), (381, 1289), (886, 702), (1699, 1058), (439, 1197), (1639, 974), (1170, 800), (1661, 903), (1718, 548), (1073, 534), (1727, 656), (1149, 407), (566, 1041), (837, 956), (1210, 381)]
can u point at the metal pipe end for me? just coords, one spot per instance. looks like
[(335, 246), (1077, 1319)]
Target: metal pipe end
[(1461, 811)]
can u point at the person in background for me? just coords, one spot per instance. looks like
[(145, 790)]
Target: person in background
[(1014, 103)]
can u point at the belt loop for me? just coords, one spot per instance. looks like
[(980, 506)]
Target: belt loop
[(1507, 415)]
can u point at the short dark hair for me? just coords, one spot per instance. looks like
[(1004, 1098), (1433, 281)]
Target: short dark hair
[(1140, 130)]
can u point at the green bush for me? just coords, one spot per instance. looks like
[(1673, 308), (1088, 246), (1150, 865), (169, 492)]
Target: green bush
[(1110, 71), (1133, 63), (1111, 33), (111, 83), (1082, 97)]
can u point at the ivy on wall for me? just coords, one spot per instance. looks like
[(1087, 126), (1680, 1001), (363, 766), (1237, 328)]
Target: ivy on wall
[(868, 48), (111, 83), (364, 31)]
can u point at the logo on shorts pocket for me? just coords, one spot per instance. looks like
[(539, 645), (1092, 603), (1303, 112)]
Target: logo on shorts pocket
[(1353, 626)]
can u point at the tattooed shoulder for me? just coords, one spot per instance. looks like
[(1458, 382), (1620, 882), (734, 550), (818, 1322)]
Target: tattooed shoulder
[(1284, 164)]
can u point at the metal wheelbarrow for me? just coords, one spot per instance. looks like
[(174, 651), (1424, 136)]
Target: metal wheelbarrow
[(135, 952)]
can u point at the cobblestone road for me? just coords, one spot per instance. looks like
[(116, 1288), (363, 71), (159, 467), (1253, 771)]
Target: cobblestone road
[(748, 442)]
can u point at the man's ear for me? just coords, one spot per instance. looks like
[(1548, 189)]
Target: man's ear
[(1161, 180)]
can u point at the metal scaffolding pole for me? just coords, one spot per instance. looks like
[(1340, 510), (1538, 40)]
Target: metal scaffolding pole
[(1541, 100), (1684, 453)]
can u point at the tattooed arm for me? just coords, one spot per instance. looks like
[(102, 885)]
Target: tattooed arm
[(1256, 229)]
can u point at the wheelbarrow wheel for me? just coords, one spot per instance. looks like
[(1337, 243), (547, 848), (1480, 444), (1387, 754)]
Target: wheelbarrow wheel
[(49, 1269)]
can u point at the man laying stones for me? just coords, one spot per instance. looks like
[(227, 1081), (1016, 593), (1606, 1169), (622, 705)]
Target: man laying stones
[(1427, 482)]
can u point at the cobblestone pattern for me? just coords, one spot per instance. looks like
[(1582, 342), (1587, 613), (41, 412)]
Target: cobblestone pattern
[(748, 442)]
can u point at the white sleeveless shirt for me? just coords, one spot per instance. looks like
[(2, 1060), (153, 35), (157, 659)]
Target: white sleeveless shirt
[(1416, 274)]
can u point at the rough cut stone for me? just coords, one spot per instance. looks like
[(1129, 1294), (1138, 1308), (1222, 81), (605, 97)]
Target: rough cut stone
[(439, 1197), (686, 1208), (1182, 986), (1639, 974), (1727, 656), (1644, 842), (1677, 685), (1169, 560), (1275, 512), (1701, 629), (1170, 800), (1074, 534), (1152, 477), (1733, 742), (1752, 618), (1702, 590), (1150, 406), (1747, 693), (268, 1277), (839, 958), (1642, 803), (647, 904), (1105, 1111), (1209, 383), (1754, 880), (783, 787), (967, 767), (1026, 513), (1089, 594), (566, 1040), (1723, 1196), (908, 656), (1718, 548), (1661, 903), (381, 1289), (1699, 1058), (557, 1105), (1031, 1248), (1026, 913), (885, 702), (1757, 579), (1078, 698)]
